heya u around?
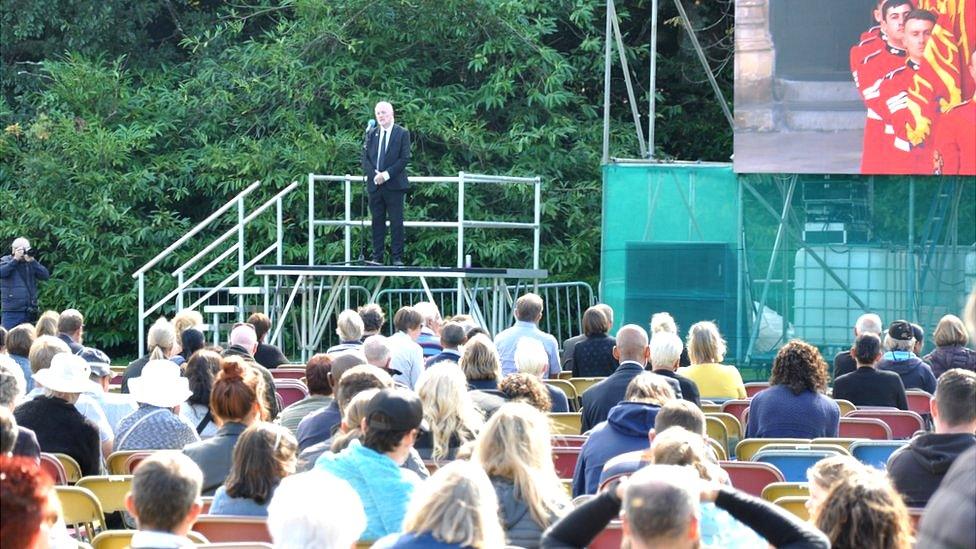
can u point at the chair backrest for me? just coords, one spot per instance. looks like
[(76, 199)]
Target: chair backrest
[(568, 388), (288, 372), (843, 442), (875, 452), (52, 466), (845, 406), (715, 428), (792, 463), (109, 489), (116, 462), (81, 511), (777, 490), (565, 458), (121, 539), (751, 477), (732, 426), (795, 504), (864, 427), (817, 446), (581, 384), (433, 465), (711, 407), (566, 423), (72, 470), (610, 537), (207, 502), (567, 374), (219, 528), (918, 401), (735, 407), (903, 423), (570, 441), (915, 515), (290, 391), (134, 460), (718, 448), (567, 486), (746, 448), (754, 387)]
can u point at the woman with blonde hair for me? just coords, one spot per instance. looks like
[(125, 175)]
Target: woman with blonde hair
[(161, 340), (678, 446), (825, 474), (482, 368), (453, 417), (525, 388), (625, 429), (663, 322), (455, 508), (706, 350), (515, 449), (183, 321), (950, 352), (47, 324), (863, 511)]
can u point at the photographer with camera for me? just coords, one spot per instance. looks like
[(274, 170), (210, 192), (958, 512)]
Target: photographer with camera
[(19, 273)]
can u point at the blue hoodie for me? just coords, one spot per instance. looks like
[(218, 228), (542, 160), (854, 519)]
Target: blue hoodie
[(914, 373), (625, 430)]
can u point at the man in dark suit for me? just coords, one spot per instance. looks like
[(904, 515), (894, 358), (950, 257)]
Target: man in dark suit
[(632, 352), (385, 157)]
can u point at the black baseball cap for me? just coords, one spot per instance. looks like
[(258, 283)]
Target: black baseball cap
[(901, 330), (402, 410)]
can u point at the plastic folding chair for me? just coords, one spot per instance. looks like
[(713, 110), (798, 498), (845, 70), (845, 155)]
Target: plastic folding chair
[(72, 470), (564, 459), (732, 426), (748, 447), (116, 461), (109, 489), (566, 375), (288, 372), (717, 447), (876, 452), (754, 387), (903, 423), (776, 490), (581, 384), (52, 466), (793, 463), (736, 407), (121, 539), (715, 429), (711, 407), (81, 511), (845, 406), (918, 402), (567, 486), (566, 423), (609, 538), (843, 442), (220, 529), (570, 441), (751, 477), (795, 504), (206, 504), (864, 427), (290, 391), (915, 515), (568, 388), (133, 461)]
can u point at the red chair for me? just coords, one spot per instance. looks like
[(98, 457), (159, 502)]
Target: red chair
[(134, 460), (915, 516), (609, 538), (285, 372), (755, 387), (918, 401), (290, 391), (751, 476), (568, 441), (221, 529), (565, 458), (864, 427), (736, 407), (52, 466), (903, 423)]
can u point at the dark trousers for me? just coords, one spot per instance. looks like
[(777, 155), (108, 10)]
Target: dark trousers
[(14, 318), (383, 203)]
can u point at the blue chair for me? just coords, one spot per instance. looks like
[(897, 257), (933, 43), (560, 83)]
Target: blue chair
[(793, 463), (875, 452)]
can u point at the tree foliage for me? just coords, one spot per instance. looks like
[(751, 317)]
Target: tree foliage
[(126, 123)]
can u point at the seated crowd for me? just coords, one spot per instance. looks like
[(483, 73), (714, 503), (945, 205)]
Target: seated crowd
[(438, 435)]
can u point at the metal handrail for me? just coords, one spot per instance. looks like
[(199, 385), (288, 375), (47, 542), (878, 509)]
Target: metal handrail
[(159, 257)]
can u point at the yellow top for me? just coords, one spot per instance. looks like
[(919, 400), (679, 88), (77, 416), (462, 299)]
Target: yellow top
[(715, 380)]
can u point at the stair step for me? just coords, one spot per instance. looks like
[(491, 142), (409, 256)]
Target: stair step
[(816, 91), (245, 290), (220, 309)]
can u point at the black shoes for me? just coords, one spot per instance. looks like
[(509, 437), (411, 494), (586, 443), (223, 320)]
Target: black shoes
[(398, 262)]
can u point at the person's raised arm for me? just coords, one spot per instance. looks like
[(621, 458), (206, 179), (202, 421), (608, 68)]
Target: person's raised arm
[(581, 525), (780, 528)]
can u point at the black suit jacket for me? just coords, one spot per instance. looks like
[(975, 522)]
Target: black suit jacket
[(395, 159), (598, 399)]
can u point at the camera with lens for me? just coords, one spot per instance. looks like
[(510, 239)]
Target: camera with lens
[(30, 252)]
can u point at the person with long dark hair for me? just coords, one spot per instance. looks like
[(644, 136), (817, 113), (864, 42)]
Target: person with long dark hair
[(265, 454)]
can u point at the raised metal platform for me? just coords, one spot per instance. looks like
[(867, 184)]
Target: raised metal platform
[(309, 283)]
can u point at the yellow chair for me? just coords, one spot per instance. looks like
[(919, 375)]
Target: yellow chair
[(808, 445), (795, 504), (109, 489), (747, 448), (81, 511), (583, 383), (711, 408), (566, 375), (121, 539), (845, 442), (364, 544), (567, 486), (732, 427), (116, 461), (71, 468), (567, 388), (715, 429), (720, 452), (566, 423), (845, 406), (776, 490)]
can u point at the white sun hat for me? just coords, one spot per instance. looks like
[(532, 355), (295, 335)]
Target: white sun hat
[(160, 384), (68, 373)]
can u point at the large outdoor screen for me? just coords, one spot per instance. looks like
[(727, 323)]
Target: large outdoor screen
[(855, 86)]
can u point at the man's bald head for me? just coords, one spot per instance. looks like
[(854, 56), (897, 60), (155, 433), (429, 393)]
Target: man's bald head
[(631, 344)]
